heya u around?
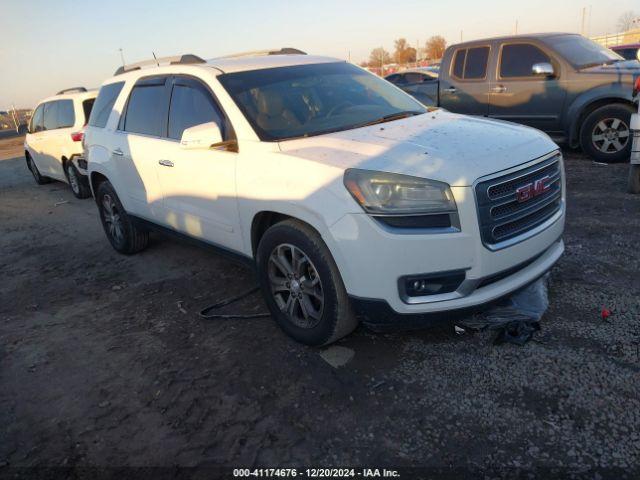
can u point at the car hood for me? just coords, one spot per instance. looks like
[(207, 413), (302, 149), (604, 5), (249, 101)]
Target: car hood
[(439, 145), (628, 66)]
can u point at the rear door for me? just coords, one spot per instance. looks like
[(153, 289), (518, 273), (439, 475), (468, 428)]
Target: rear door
[(465, 89), (518, 95), (139, 142), (199, 186)]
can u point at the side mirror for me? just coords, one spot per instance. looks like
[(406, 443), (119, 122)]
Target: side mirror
[(542, 70), (201, 136)]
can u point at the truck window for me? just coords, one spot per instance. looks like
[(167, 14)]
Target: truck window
[(104, 103), (145, 109), (36, 120), (458, 63), (191, 106), (66, 115), (50, 116), (518, 59), (471, 63)]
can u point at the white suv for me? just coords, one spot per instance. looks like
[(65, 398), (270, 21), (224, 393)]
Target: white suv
[(353, 200), (53, 145)]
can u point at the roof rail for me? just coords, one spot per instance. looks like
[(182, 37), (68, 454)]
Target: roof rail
[(260, 53), (186, 59), (74, 89)]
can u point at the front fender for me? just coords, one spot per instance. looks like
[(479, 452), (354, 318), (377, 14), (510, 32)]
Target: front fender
[(613, 92)]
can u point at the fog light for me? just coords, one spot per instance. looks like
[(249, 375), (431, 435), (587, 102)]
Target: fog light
[(431, 284)]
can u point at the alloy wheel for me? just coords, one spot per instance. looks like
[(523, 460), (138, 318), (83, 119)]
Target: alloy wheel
[(610, 135), (112, 219), (295, 285)]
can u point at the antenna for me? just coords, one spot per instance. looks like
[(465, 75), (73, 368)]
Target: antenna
[(155, 58)]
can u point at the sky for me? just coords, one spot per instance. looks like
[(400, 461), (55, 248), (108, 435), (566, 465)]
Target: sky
[(48, 45)]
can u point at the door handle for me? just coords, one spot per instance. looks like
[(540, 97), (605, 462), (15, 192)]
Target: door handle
[(117, 152), (499, 89), (450, 90), (165, 163)]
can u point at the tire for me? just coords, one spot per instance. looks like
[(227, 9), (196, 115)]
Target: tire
[(40, 179), (634, 179), (605, 134), (79, 183), (328, 319), (123, 234)]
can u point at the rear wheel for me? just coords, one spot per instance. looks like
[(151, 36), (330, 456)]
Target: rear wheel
[(302, 285), (123, 234), (79, 183), (40, 179), (605, 134)]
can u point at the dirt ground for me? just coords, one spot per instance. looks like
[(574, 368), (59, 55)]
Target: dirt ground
[(104, 361)]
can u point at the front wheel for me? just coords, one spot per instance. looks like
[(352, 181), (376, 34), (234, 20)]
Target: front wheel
[(123, 234), (605, 134), (302, 285), (40, 179)]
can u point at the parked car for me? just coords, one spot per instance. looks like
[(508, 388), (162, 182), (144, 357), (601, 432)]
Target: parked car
[(564, 84), (413, 81), (53, 144), (629, 51), (352, 200)]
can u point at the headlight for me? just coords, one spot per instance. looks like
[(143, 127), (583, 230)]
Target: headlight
[(380, 193)]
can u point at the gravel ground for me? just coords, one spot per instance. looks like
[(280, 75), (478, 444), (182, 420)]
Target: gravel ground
[(105, 363)]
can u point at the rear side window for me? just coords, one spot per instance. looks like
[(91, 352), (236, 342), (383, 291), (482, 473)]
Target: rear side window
[(146, 112), (66, 115), (517, 60), (50, 116), (413, 77), (36, 120), (476, 64), (104, 104), (191, 105), (471, 63), (86, 108)]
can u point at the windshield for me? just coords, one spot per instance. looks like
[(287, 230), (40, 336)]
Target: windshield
[(305, 100), (582, 52)]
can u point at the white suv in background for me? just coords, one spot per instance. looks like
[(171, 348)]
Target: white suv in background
[(353, 200), (53, 145)]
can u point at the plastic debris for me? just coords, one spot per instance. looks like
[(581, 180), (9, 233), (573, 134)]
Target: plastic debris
[(459, 330), (517, 318), (605, 313)]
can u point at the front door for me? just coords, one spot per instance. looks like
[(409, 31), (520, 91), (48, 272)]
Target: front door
[(198, 186), (519, 96), (466, 89)]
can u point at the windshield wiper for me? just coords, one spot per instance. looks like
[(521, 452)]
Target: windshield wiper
[(389, 118)]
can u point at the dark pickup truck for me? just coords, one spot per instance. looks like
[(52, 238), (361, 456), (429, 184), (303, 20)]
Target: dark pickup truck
[(566, 85)]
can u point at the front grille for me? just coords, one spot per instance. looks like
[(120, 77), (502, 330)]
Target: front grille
[(504, 216)]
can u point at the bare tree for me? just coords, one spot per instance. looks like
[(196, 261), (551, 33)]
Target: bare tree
[(378, 57), (404, 53), (435, 47), (626, 20)]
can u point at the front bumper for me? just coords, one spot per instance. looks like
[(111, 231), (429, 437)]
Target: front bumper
[(372, 259)]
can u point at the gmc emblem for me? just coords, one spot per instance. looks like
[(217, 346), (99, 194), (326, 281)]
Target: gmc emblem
[(531, 190)]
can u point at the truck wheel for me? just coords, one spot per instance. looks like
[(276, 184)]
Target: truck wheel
[(302, 285), (40, 179), (605, 134), (634, 179), (124, 236), (78, 183)]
